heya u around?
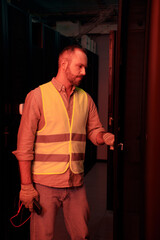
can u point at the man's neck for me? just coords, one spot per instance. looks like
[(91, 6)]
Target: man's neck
[(69, 87)]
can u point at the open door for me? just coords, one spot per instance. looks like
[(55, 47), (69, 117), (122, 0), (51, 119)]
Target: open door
[(129, 120)]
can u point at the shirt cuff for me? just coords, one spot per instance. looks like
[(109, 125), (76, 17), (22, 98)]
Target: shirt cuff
[(23, 156), (92, 136)]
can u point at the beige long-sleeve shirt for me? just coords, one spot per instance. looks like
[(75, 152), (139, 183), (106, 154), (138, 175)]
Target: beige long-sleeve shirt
[(33, 120)]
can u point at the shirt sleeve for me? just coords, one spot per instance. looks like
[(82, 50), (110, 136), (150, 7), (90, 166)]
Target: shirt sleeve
[(94, 125), (28, 126)]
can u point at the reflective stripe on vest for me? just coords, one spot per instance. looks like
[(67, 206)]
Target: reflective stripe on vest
[(60, 145)]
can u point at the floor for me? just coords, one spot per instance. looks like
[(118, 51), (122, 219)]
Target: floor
[(101, 220)]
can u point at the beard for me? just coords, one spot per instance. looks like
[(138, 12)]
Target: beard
[(73, 79)]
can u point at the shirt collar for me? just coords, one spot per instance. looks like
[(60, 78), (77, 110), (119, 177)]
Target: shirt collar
[(60, 87)]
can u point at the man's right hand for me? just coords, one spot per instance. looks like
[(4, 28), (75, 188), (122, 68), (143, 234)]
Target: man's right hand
[(27, 194)]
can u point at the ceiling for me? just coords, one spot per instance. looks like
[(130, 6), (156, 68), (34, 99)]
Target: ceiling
[(89, 13)]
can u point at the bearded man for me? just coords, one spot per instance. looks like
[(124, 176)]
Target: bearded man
[(57, 118)]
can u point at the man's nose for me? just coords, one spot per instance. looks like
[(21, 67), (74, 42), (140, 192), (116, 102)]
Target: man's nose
[(83, 71)]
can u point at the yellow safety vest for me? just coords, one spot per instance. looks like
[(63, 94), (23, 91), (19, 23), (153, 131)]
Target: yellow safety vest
[(61, 144)]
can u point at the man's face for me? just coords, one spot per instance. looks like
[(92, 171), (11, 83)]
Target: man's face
[(76, 68)]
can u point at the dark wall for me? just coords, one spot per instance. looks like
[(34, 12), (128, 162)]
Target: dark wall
[(153, 127)]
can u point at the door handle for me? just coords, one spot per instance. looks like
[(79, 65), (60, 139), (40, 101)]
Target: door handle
[(110, 121), (119, 145)]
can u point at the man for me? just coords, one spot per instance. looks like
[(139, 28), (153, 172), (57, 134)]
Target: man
[(56, 119)]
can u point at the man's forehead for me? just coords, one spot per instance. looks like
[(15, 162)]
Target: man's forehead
[(80, 56)]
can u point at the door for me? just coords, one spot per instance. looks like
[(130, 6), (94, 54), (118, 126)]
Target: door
[(129, 121)]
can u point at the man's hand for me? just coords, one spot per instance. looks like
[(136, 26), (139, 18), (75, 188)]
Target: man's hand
[(27, 194), (109, 139), (105, 138)]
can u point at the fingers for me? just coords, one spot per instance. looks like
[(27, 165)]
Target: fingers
[(109, 139), (111, 148), (28, 205), (31, 207)]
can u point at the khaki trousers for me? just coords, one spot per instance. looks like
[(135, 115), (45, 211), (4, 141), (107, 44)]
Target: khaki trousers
[(75, 210)]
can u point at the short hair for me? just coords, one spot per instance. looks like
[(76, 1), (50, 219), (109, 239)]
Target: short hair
[(70, 49)]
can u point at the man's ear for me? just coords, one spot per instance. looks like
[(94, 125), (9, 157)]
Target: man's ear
[(64, 64)]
